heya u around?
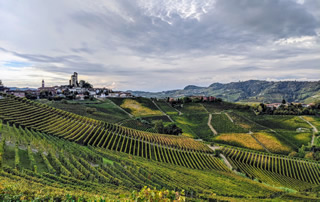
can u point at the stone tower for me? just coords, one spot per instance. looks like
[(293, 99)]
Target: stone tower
[(42, 83), (74, 80)]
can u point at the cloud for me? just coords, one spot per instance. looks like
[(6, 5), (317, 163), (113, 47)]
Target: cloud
[(159, 45)]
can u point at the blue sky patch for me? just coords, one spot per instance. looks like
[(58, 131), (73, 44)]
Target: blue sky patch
[(16, 64)]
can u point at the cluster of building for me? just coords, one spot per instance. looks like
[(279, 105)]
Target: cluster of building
[(274, 106), (75, 90)]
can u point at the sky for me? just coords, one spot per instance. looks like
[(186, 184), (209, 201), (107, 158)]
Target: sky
[(155, 45)]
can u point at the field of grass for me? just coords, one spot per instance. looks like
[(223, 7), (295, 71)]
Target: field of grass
[(240, 140), (279, 122), (105, 111), (313, 120), (222, 124), (156, 118), (272, 143), (166, 108), (194, 125), (192, 108), (135, 124), (137, 109), (243, 122)]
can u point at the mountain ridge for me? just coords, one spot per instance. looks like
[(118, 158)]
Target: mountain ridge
[(248, 91)]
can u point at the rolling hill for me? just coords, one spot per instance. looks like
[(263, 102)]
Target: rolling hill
[(51, 154), (249, 91)]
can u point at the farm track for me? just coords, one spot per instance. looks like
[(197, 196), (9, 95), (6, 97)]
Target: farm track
[(229, 117), (162, 111), (210, 126), (315, 130), (180, 113), (262, 145), (225, 160), (205, 108), (294, 146)]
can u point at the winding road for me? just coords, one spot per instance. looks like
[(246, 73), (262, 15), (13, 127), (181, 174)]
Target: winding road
[(315, 130), (210, 126)]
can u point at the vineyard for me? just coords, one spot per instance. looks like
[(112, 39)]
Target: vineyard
[(176, 150), (32, 161), (84, 158), (223, 125), (277, 170)]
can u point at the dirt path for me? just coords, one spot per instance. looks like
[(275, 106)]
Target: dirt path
[(229, 117), (225, 160), (162, 111), (210, 126), (180, 113), (205, 108), (315, 130), (250, 133)]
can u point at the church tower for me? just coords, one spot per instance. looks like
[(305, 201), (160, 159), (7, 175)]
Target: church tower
[(42, 83)]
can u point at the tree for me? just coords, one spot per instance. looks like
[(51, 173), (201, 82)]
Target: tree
[(284, 101), (85, 84), (172, 129), (158, 126)]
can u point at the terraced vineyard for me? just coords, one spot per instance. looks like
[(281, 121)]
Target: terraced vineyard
[(278, 170), (101, 158), (176, 150), (38, 165)]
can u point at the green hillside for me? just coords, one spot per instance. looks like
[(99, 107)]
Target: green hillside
[(76, 157), (250, 91)]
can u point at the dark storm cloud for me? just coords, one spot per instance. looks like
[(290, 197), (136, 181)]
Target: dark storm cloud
[(231, 26)]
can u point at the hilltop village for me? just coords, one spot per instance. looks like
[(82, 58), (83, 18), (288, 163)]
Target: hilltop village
[(76, 89)]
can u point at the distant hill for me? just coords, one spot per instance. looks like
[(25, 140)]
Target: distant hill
[(249, 91)]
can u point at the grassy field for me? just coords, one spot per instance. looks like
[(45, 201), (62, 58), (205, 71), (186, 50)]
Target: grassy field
[(192, 108), (194, 125), (137, 109), (272, 143), (222, 124), (105, 111), (137, 106), (166, 107), (313, 120), (239, 139), (135, 124)]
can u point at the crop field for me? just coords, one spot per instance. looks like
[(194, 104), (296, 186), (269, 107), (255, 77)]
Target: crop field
[(195, 125), (166, 107), (280, 123), (244, 140), (272, 143), (72, 170), (104, 135), (192, 108), (313, 120), (135, 124), (137, 109), (137, 106), (222, 124), (217, 107), (74, 157), (245, 123), (275, 169), (157, 118), (105, 111)]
